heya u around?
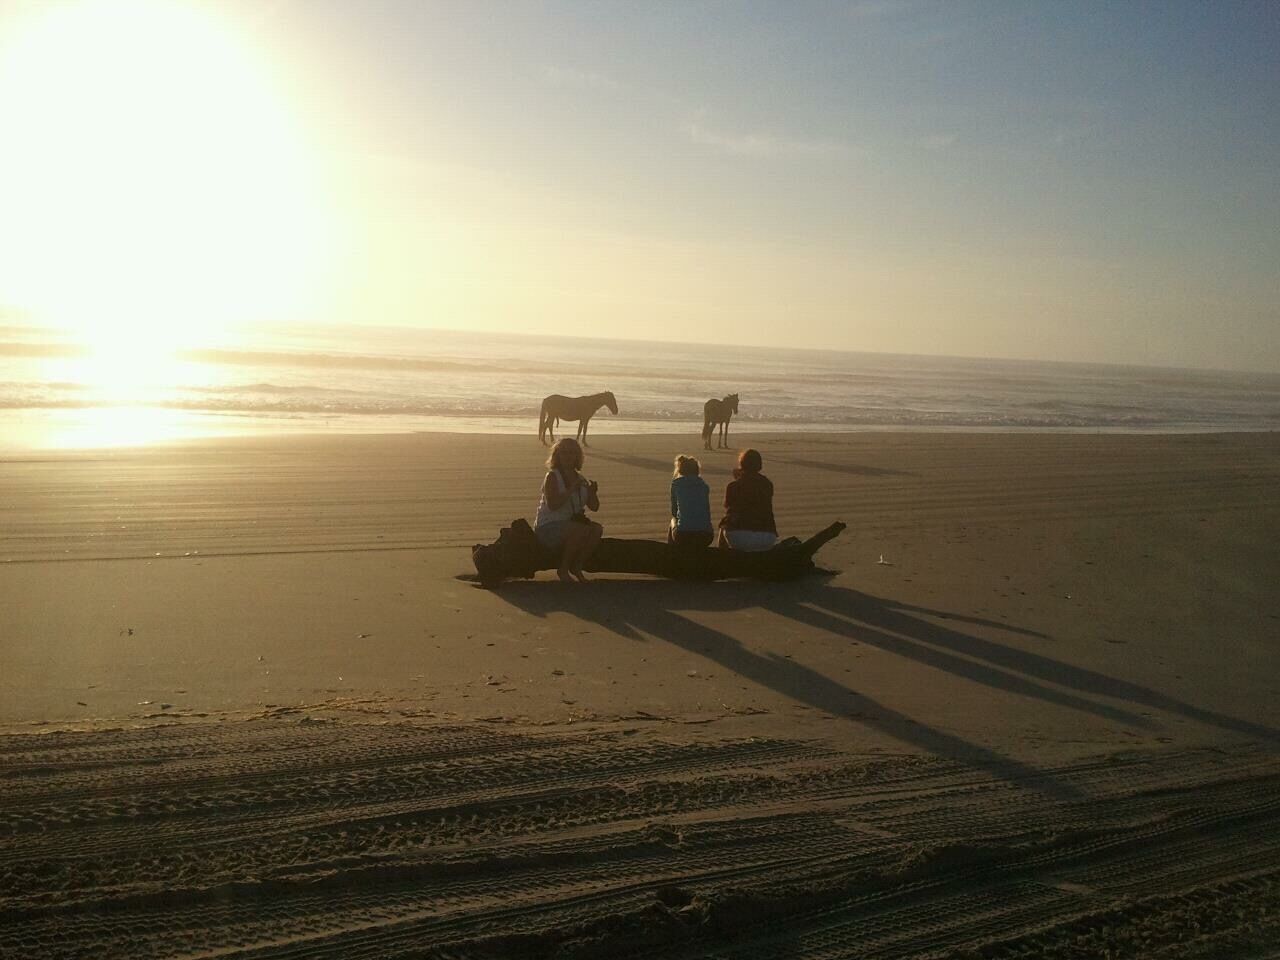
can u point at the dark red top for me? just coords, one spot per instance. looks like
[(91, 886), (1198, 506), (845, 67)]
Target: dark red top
[(748, 504)]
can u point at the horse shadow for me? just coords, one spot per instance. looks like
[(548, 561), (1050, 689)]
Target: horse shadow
[(713, 467), (640, 463), (638, 610), (852, 469), (650, 463)]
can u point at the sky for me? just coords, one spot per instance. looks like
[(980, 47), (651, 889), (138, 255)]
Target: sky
[(1071, 181)]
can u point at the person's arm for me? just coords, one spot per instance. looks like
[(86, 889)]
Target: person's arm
[(593, 495), (674, 513), (730, 494), (554, 491)]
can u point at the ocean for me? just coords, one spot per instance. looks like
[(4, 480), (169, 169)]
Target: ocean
[(385, 379)]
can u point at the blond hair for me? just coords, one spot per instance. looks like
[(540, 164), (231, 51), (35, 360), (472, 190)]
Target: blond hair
[(565, 448), (686, 467)]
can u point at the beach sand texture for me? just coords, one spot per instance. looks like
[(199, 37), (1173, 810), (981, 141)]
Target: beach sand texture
[(253, 711)]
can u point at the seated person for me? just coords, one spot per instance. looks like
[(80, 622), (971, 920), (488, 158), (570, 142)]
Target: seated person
[(690, 506), (748, 507), (562, 523)]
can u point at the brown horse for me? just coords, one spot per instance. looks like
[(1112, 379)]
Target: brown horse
[(718, 412), (556, 408)]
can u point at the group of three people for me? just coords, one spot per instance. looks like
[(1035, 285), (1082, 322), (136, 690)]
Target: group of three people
[(562, 523)]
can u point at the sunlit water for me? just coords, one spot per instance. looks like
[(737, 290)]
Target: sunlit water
[(55, 393)]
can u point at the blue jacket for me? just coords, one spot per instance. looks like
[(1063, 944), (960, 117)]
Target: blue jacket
[(691, 503)]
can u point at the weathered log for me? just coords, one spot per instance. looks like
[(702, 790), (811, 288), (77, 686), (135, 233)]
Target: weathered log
[(517, 553)]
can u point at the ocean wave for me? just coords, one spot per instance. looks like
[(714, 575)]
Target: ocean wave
[(39, 349), (595, 368), (277, 388)]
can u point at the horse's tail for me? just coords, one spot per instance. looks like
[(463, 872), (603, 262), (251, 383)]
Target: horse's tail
[(543, 423)]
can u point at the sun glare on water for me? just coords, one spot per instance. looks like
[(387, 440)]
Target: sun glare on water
[(157, 190)]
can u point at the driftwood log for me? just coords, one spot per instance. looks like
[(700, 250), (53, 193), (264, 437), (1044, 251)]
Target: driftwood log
[(517, 553)]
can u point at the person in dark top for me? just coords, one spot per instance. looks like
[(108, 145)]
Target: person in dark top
[(748, 507)]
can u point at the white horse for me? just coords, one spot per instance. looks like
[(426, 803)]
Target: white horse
[(718, 412), (556, 408)]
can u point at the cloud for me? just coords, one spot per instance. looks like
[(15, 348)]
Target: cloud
[(938, 141), (573, 77), (1064, 135), (760, 144), (881, 8)]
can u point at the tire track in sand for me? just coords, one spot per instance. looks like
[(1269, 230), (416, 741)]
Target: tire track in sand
[(276, 838)]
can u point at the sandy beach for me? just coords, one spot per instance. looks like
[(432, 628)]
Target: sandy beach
[(255, 706)]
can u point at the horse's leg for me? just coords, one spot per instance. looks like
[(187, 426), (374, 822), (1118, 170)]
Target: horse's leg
[(726, 431), (582, 429), (708, 428)]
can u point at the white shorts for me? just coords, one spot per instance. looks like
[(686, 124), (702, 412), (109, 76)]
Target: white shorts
[(752, 541), (551, 535)]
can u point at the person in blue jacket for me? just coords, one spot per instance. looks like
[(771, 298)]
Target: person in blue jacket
[(690, 506)]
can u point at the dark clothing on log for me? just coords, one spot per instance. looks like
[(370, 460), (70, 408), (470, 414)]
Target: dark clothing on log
[(748, 504), (689, 539)]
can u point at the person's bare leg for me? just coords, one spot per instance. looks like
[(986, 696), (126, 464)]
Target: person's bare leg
[(594, 533), (573, 538), (590, 534), (579, 558)]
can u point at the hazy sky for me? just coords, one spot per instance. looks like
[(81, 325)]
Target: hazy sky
[(1060, 180)]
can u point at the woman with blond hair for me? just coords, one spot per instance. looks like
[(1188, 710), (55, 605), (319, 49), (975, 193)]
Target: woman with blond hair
[(690, 506), (562, 523)]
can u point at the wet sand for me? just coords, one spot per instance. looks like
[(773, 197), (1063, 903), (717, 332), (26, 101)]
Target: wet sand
[(261, 651)]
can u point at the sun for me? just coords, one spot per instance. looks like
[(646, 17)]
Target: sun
[(157, 188)]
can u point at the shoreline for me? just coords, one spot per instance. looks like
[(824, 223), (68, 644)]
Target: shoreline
[(11, 441)]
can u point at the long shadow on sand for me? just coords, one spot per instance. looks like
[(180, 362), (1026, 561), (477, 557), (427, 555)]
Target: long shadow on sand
[(845, 612), (638, 609)]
